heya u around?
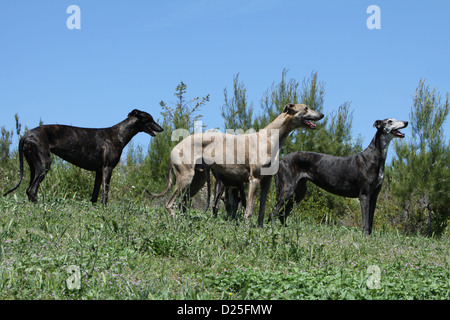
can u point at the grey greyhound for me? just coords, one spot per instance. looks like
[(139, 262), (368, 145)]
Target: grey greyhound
[(358, 176), (96, 150)]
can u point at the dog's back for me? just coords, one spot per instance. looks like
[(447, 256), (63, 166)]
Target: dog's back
[(333, 174), (83, 147)]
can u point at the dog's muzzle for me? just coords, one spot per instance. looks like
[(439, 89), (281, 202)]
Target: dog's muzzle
[(397, 133), (153, 127)]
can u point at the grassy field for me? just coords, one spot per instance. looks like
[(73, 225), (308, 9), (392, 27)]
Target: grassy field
[(132, 250)]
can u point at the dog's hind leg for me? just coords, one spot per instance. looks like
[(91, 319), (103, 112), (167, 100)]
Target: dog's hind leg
[(284, 204), (242, 196), (39, 160), (184, 178), (170, 203), (299, 195), (208, 186), (197, 183), (97, 183), (231, 201), (284, 191), (218, 192), (286, 196)]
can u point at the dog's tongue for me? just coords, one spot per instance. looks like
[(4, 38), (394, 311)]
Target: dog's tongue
[(310, 124), (398, 133)]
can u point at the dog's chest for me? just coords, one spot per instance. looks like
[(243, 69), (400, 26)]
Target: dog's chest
[(380, 179), (380, 176)]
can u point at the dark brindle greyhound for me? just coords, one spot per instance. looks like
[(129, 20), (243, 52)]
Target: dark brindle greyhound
[(359, 176), (234, 193), (96, 150)]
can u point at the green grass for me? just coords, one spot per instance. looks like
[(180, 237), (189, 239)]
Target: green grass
[(134, 250)]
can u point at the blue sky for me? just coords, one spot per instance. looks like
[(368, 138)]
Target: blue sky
[(132, 54)]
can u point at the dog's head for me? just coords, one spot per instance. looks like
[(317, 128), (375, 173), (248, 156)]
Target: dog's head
[(391, 127), (302, 115), (145, 122)]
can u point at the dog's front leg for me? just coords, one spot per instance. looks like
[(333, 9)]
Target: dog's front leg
[(253, 186), (97, 183), (364, 199), (372, 205)]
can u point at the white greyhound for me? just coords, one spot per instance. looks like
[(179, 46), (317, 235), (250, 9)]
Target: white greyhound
[(250, 158)]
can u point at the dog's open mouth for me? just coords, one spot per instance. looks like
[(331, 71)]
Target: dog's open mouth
[(397, 133), (151, 128), (149, 131), (309, 124)]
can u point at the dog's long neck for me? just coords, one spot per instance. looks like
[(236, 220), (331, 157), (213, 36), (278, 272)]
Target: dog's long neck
[(282, 123), (126, 130), (379, 148), (381, 142)]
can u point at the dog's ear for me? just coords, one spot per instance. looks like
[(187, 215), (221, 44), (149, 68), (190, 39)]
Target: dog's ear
[(377, 124), (289, 107), (133, 113)]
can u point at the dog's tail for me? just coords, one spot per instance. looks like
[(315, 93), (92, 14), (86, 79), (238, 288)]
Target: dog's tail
[(21, 168), (169, 185)]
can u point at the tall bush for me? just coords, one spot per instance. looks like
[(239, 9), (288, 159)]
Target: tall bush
[(419, 175)]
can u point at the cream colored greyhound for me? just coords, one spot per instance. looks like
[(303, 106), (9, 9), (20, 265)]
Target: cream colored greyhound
[(251, 158)]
